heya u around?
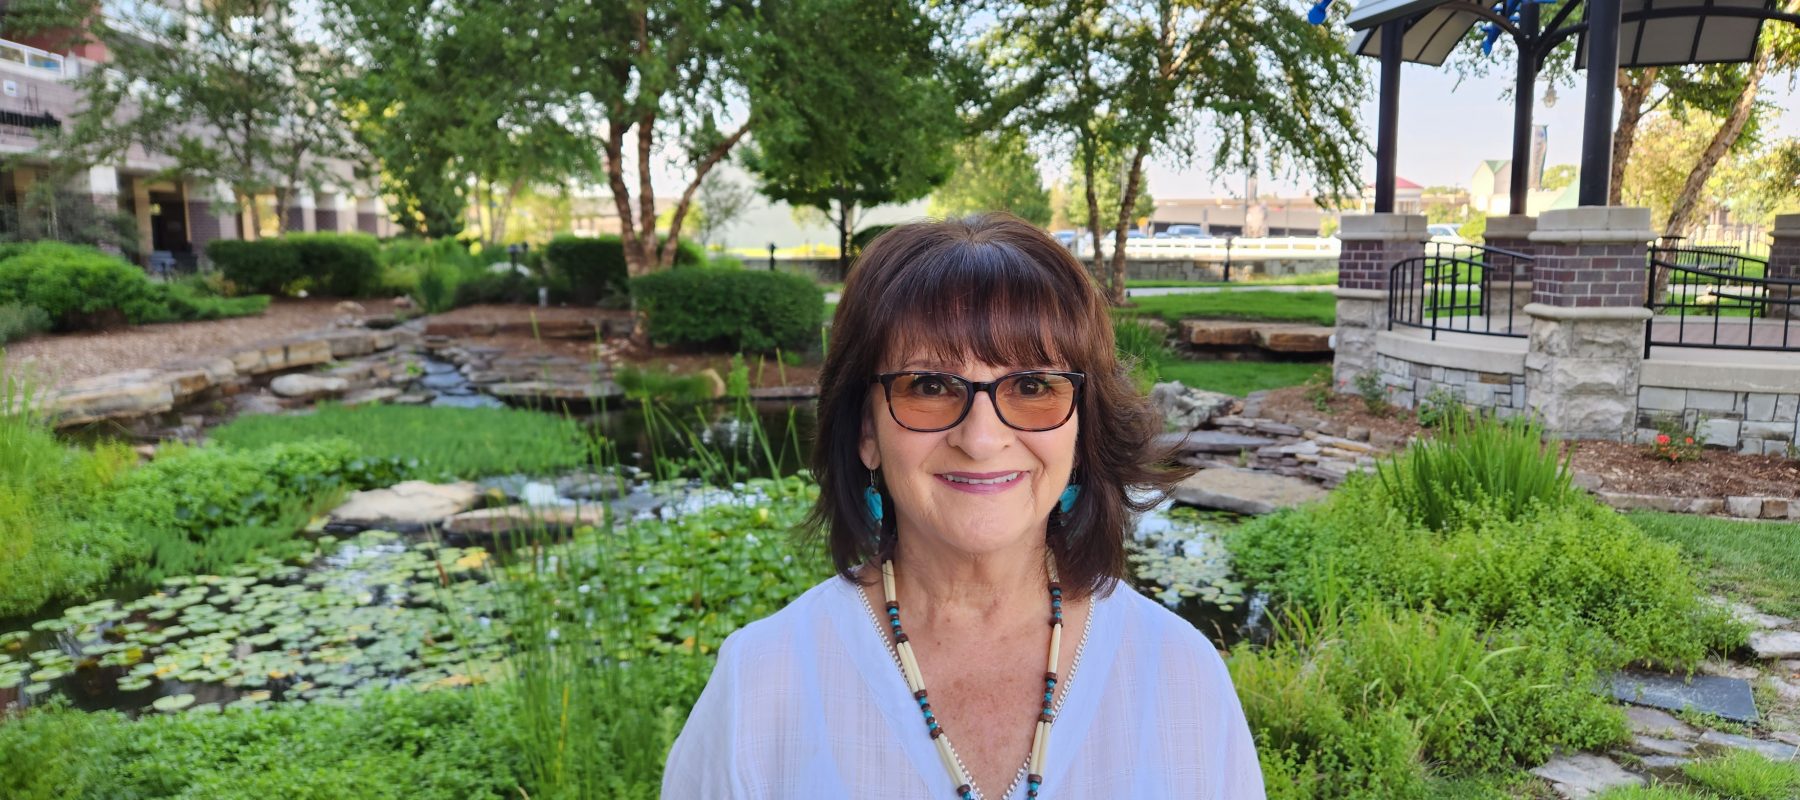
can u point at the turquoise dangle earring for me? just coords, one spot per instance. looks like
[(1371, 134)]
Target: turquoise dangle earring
[(1067, 500), (872, 496)]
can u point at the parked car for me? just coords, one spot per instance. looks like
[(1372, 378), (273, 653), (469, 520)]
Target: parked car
[(1448, 233), (1184, 232), (1067, 238)]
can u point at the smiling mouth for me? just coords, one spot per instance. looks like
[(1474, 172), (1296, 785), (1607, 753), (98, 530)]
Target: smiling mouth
[(991, 479)]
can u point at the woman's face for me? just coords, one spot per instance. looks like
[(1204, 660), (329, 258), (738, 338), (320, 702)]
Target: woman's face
[(926, 474)]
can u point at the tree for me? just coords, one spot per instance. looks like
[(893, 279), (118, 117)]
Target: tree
[(1125, 80), (1559, 176), (452, 109), (1111, 181), (231, 90), (722, 201), (860, 118), (994, 172)]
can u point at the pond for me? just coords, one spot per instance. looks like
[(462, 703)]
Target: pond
[(372, 609)]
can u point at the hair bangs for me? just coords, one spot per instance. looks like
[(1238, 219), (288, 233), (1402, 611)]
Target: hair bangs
[(988, 303)]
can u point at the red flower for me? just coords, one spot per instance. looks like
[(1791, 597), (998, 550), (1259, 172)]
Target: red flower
[(1662, 438), (1690, 440)]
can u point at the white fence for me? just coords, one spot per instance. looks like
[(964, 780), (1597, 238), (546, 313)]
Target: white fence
[(1214, 249)]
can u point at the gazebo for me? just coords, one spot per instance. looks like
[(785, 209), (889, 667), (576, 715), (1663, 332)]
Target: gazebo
[(1564, 316)]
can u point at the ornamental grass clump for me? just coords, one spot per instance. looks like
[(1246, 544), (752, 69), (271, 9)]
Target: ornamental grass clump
[(1503, 467)]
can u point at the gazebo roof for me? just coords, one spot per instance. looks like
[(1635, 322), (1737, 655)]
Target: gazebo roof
[(1652, 32)]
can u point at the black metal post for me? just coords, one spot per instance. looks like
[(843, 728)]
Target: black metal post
[(1597, 120), (1228, 238), (1524, 98), (1387, 126), (771, 256)]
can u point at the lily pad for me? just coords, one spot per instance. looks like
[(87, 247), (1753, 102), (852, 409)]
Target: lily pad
[(172, 703)]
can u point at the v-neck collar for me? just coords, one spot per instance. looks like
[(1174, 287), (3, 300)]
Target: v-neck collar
[(869, 650)]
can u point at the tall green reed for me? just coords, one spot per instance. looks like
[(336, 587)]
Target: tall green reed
[(1506, 467)]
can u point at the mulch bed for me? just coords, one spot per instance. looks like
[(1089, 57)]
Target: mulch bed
[(1618, 466)]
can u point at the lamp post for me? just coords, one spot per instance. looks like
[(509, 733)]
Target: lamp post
[(771, 256)]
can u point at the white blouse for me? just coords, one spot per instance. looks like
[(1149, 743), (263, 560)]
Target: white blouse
[(810, 703)]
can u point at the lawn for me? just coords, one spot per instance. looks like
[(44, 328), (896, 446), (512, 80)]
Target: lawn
[(1328, 278), (1757, 562), (1236, 377), (1319, 308)]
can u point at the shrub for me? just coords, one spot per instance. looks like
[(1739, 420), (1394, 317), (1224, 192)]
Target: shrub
[(730, 309), (435, 287), (206, 508), (401, 744), (20, 321), (488, 285), (589, 269), (80, 287), (335, 265), (1477, 462)]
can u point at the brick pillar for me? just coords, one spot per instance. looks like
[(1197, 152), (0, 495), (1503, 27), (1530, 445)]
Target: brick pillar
[(1509, 280), (1372, 243), (1784, 263), (1587, 320)]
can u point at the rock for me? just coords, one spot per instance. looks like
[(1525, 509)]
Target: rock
[(1772, 645), (408, 506), (380, 394), (715, 384), (119, 395), (1216, 333), (1357, 433), (1583, 775), (785, 393), (1277, 428), (1729, 698), (1774, 751), (1663, 747), (1245, 491), (307, 387), (590, 486), (257, 403), (414, 399), (1663, 763), (1295, 338), (489, 523), (350, 307), (145, 452), (1184, 408), (1750, 616), (1745, 507), (1210, 442), (403, 303), (526, 391)]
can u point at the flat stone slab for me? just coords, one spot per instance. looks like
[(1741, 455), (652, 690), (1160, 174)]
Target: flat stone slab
[(1185, 408), (1774, 751), (785, 393), (494, 522), (1583, 775), (1246, 491), (1657, 723), (1729, 698), (308, 386), (541, 390), (1664, 747), (1210, 442), (1771, 645), (380, 394), (407, 506), (1279, 337)]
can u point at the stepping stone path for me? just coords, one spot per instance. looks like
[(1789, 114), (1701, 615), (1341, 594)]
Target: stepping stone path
[(1246, 491), (1584, 775), (405, 507)]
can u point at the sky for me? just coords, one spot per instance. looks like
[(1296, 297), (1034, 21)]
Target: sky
[(1447, 126)]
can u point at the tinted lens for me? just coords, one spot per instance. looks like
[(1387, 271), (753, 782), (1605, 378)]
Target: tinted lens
[(928, 401), (1035, 400)]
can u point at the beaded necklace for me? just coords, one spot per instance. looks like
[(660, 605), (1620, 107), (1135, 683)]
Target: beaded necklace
[(915, 680)]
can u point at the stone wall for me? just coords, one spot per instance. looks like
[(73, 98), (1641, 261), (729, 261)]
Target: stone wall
[(1412, 381), (1747, 422)]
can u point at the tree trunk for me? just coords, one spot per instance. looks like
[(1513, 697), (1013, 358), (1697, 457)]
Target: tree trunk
[(1116, 290), (512, 195), (248, 201), (843, 226), (1730, 129), (1634, 89), (1093, 206), (666, 256)]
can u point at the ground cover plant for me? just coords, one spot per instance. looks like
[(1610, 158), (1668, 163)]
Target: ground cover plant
[(428, 443), (1319, 308), (1459, 610)]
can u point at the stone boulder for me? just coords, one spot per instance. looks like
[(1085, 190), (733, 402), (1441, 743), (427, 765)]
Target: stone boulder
[(1184, 408), (1581, 775), (1246, 491), (407, 506), (121, 394), (493, 523), (307, 387)]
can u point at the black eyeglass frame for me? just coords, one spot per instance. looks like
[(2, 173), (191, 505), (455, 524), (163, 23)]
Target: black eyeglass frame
[(886, 379)]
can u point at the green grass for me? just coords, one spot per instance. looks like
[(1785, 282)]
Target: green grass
[(1319, 308), (1758, 562), (445, 442), (1328, 278), (1236, 377)]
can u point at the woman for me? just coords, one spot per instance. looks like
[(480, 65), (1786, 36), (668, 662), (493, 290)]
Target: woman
[(976, 441)]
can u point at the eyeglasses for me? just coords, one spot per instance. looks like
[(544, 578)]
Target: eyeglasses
[(1032, 401)]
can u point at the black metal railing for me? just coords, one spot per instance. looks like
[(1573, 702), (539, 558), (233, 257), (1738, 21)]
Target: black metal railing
[(1461, 288), (1718, 298)]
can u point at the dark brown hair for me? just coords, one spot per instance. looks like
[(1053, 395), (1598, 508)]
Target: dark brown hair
[(996, 289)]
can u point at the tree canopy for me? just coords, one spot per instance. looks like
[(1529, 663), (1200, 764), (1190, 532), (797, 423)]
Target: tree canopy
[(995, 171)]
